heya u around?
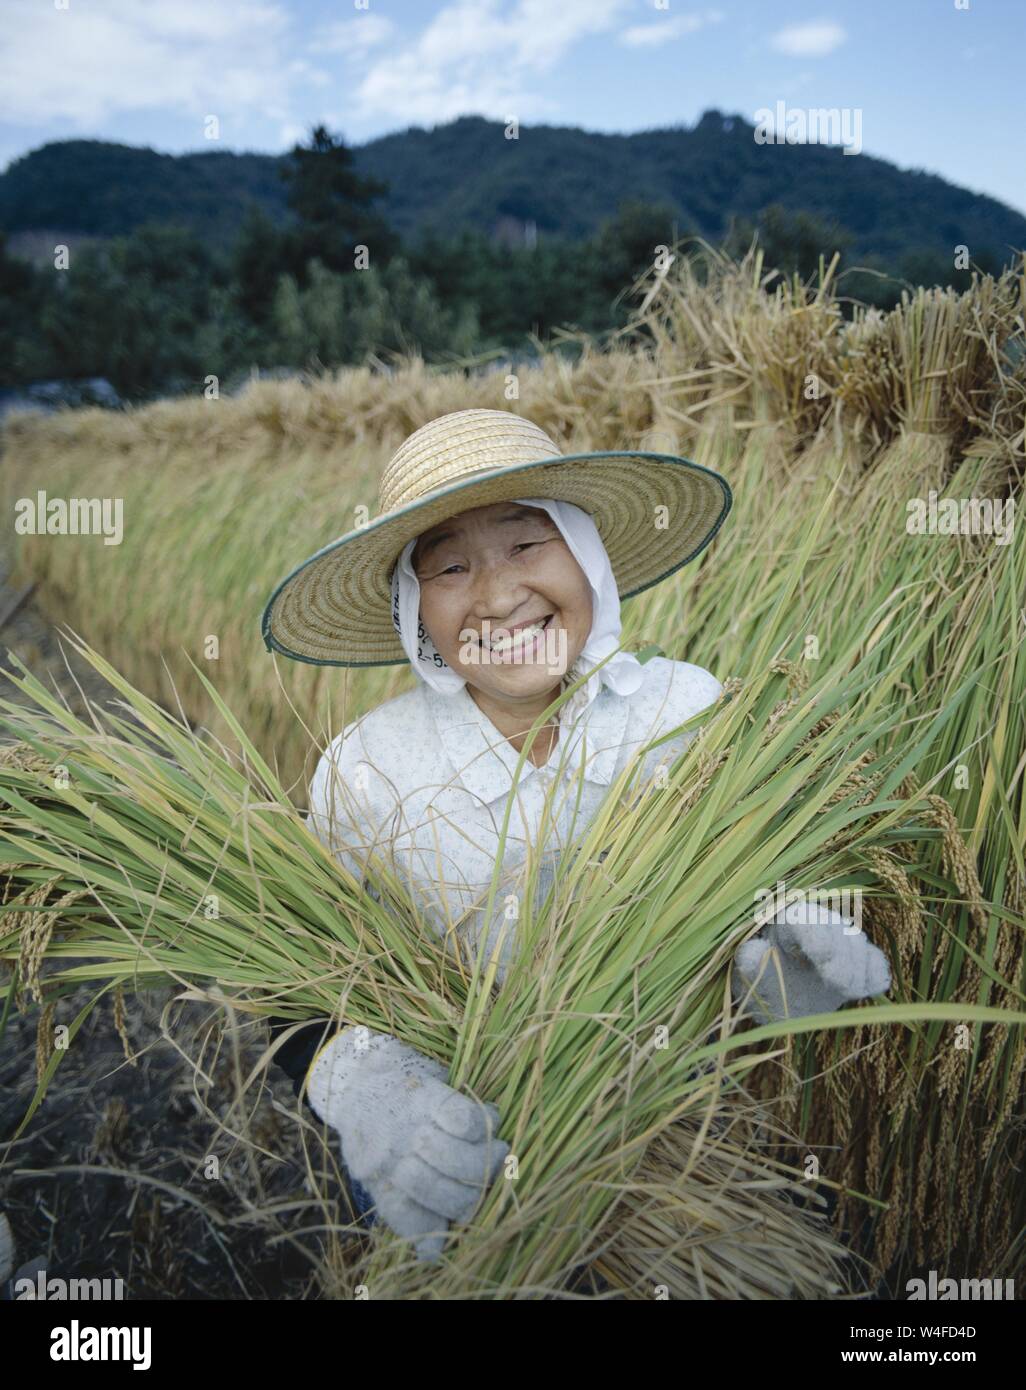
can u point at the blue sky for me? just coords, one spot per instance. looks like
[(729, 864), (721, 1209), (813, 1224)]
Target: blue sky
[(939, 86)]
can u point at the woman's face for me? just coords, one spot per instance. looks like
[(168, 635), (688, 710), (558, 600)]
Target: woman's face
[(491, 573)]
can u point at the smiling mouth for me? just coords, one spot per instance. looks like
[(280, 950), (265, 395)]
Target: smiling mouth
[(517, 639)]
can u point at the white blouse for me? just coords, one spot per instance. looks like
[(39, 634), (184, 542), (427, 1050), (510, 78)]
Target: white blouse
[(424, 780)]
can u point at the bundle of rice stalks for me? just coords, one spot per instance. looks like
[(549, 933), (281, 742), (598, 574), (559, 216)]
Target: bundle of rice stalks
[(890, 1107), (724, 338), (144, 854), (934, 364), (937, 363), (707, 1217), (951, 1148)]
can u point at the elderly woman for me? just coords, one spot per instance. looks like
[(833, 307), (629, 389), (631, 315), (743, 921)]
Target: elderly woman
[(500, 599)]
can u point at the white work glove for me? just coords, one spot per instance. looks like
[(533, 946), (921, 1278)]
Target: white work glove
[(820, 965), (424, 1152)]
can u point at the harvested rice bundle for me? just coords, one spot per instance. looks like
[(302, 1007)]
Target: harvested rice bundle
[(150, 823), (434, 772), (707, 1215)]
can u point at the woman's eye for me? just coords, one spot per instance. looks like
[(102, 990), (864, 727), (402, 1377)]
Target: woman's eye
[(522, 545)]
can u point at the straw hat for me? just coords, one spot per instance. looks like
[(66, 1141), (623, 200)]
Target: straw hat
[(335, 609)]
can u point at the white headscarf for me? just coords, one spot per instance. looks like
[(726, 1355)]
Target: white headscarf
[(623, 673)]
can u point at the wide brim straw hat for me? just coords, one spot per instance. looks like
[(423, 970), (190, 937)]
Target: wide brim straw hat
[(335, 609)]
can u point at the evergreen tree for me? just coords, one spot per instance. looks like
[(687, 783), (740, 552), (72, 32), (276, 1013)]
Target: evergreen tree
[(331, 205), (791, 241), (625, 245), (256, 264), (22, 357)]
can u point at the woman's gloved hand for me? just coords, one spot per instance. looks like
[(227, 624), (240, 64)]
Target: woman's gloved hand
[(816, 967), (424, 1152)]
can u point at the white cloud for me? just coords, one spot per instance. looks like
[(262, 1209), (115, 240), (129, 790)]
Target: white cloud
[(353, 37), (92, 68), (796, 84), (83, 67), (291, 134), (307, 75), (665, 30), (813, 40), (482, 56)]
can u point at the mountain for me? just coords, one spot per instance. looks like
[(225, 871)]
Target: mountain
[(93, 188), (562, 180)]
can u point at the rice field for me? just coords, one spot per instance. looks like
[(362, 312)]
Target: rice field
[(871, 738)]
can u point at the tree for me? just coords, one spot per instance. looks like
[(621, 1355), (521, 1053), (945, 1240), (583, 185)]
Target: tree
[(341, 318), (626, 243), (791, 241), (128, 310), (256, 261), (22, 356), (331, 204)]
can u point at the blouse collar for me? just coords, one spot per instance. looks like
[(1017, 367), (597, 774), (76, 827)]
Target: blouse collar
[(485, 761)]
